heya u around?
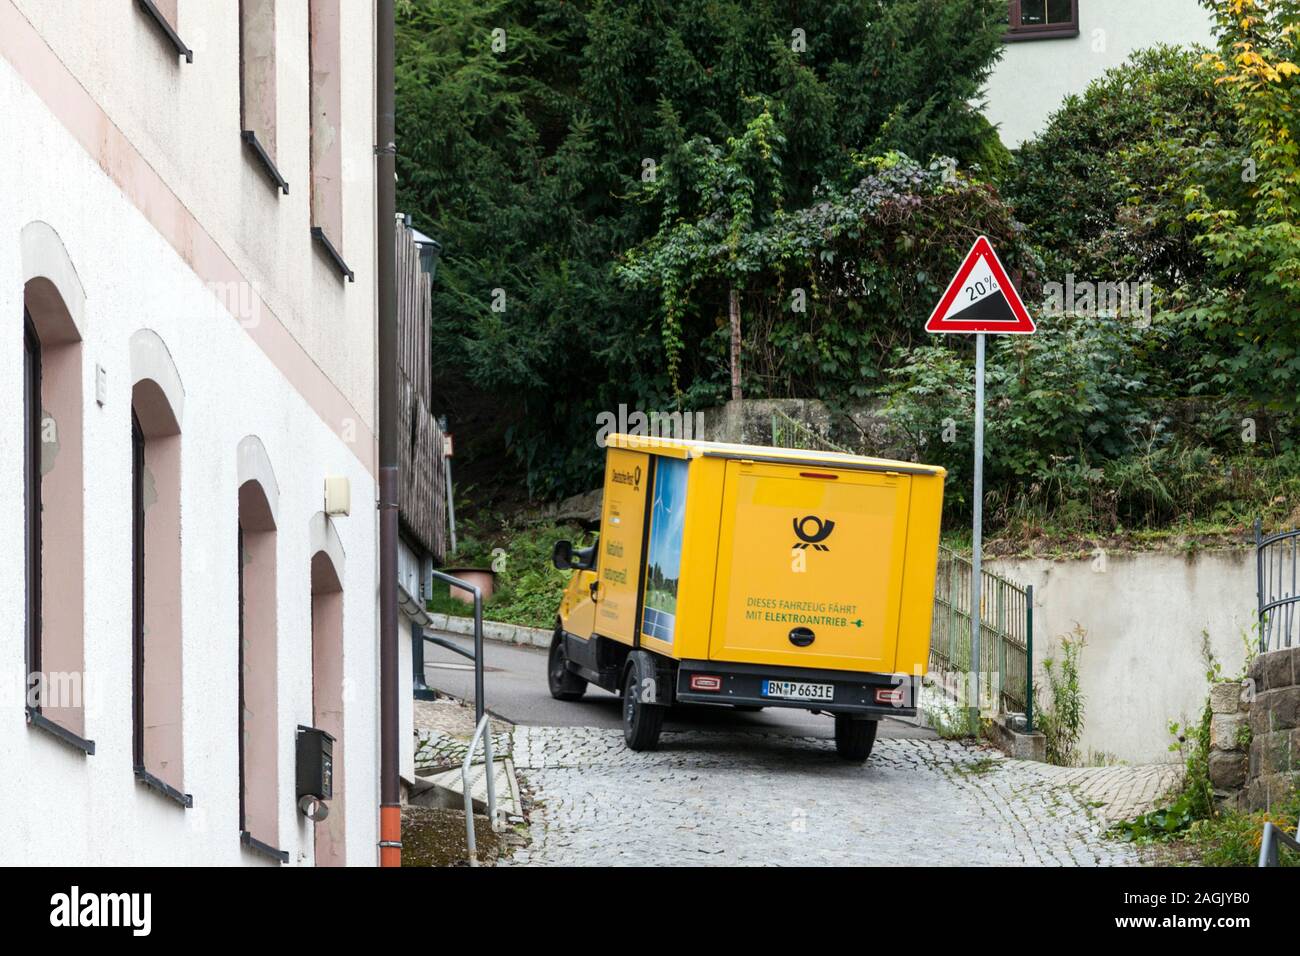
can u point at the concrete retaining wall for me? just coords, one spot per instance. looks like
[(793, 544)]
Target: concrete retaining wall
[(1144, 614)]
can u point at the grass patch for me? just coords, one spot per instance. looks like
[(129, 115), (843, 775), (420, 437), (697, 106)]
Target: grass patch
[(528, 588), (434, 836), (978, 768), (1228, 839), (1179, 497)]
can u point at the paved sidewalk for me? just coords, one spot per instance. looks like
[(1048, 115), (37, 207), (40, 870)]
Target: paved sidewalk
[(1120, 793), (759, 799)]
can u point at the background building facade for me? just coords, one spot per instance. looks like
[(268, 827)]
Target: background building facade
[(187, 267), (1057, 47)]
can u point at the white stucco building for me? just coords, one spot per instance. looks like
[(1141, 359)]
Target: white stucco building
[(187, 271), (1057, 47)]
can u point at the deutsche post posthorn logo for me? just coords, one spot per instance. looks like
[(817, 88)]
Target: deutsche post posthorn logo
[(632, 478), (813, 530)]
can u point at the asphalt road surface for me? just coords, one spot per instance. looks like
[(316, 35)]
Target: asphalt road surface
[(515, 688)]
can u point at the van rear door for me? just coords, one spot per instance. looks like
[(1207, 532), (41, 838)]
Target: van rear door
[(810, 566)]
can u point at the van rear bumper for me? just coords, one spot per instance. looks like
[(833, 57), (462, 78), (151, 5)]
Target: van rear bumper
[(854, 692)]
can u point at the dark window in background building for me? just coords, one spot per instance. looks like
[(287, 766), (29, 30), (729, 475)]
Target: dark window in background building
[(32, 489), (1042, 19), (137, 558)]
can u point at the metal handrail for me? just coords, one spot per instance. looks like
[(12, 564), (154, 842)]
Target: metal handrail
[(483, 730), (477, 656), (483, 727), (1277, 535), (1274, 838), (1272, 556)]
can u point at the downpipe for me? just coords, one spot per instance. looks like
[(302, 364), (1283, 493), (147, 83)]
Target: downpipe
[(390, 794)]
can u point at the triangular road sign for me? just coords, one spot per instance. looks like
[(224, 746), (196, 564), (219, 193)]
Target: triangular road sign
[(981, 298)]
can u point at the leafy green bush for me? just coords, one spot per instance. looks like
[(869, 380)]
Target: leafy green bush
[(1224, 839), (1233, 839), (1061, 720), (1156, 487), (1083, 435), (1078, 389), (1090, 188), (1242, 198)]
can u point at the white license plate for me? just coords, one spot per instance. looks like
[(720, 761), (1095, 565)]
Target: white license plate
[(798, 690)]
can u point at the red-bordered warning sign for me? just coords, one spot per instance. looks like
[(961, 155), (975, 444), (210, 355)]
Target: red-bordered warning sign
[(981, 298)]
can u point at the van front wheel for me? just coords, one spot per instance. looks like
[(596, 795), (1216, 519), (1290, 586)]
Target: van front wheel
[(854, 737), (564, 684), (642, 720)]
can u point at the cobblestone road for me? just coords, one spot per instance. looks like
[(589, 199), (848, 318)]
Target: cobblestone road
[(753, 799)]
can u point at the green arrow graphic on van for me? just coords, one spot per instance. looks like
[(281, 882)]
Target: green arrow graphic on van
[(858, 622)]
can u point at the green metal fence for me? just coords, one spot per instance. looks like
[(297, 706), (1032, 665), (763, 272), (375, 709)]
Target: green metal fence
[(788, 432), (1006, 635)]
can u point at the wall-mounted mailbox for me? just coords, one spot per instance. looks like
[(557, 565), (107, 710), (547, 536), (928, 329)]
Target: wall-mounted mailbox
[(315, 763)]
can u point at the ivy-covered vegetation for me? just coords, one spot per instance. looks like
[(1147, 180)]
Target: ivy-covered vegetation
[(623, 190), (528, 128), (831, 289)]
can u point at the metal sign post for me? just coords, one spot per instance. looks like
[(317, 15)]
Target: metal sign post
[(980, 299), (977, 535)]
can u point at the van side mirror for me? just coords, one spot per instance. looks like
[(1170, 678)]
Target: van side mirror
[(562, 555), (584, 559)]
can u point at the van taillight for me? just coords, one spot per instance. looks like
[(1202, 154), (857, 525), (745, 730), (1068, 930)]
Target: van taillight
[(894, 696), (705, 682)]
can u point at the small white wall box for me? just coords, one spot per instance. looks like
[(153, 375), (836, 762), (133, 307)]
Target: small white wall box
[(338, 496)]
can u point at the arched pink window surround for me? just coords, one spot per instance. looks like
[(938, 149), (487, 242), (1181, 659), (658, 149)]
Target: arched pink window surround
[(327, 676), (55, 301), (157, 408), (258, 693)]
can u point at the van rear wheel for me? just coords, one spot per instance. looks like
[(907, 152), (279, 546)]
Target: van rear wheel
[(564, 684), (642, 720), (854, 737)]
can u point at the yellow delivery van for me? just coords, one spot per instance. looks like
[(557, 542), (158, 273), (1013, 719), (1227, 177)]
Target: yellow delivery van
[(752, 577)]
